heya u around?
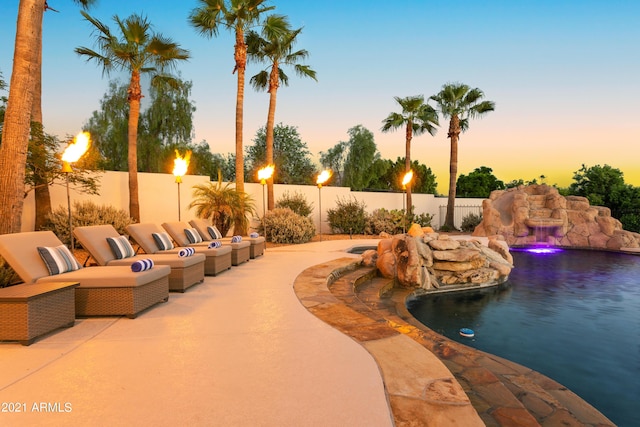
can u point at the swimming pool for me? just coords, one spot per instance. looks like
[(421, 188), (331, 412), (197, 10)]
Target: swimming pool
[(573, 316)]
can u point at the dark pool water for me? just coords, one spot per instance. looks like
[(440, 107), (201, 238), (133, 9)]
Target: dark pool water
[(573, 316)]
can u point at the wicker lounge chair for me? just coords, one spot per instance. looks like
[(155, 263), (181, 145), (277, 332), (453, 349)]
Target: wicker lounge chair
[(256, 249), (102, 291), (240, 251), (185, 271), (217, 259)]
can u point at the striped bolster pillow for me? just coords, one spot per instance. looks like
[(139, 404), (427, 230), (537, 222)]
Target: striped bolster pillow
[(142, 265), (185, 252), (236, 239), (254, 235), (215, 244)]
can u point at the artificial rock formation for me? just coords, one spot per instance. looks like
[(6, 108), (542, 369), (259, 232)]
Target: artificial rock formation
[(538, 214), (432, 261)]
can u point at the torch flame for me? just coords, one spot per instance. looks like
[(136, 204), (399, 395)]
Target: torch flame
[(324, 176), (181, 164), (407, 178), (77, 148), (265, 173)]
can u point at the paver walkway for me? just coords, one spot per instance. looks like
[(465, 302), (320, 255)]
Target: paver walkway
[(236, 350)]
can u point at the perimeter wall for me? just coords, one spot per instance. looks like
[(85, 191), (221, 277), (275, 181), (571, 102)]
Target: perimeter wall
[(158, 195)]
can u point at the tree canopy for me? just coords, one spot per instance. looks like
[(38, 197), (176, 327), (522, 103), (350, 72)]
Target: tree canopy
[(479, 183), (291, 156)]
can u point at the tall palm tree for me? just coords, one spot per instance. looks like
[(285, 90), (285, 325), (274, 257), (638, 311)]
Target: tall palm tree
[(138, 51), (417, 117), (17, 123), (276, 49), (238, 16), (459, 103)]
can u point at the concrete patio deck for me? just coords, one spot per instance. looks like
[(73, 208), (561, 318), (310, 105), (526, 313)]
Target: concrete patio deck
[(245, 348), (236, 350)]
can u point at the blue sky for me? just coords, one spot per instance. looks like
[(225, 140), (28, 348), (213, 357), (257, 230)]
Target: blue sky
[(563, 75)]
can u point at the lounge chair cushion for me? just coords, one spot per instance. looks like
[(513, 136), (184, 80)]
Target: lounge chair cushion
[(214, 232), (163, 241), (121, 247), (193, 235), (58, 259)]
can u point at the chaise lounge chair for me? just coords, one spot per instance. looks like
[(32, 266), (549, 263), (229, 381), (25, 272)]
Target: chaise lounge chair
[(217, 259), (102, 291), (240, 251), (256, 249), (185, 271)]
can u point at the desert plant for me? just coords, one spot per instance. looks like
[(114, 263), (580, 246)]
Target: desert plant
[(349, 217), (296, 202), (85, 213), (424, 219), (222, 204), (384, 221), (470, 222), (285, 226), (8, 277)]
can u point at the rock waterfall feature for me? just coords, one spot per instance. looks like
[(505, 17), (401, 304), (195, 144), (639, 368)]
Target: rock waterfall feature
[(538, 214)]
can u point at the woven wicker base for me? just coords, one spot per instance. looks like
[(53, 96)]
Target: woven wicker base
[(180, 279), (256, 249), (217, 264), (30, 311), (238, 256), (128, 301)]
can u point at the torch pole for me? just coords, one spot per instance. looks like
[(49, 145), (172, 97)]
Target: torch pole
[(70, 220)]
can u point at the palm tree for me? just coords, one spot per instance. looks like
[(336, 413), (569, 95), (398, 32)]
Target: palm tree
[(17, 126), (459, 103), (224, 205), (276, 49), (137, 51), (417, 117), (238, 16)]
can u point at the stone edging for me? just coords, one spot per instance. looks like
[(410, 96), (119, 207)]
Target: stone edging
[(427, 376)]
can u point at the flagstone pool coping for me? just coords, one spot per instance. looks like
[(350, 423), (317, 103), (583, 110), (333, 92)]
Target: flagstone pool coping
[(428, 378)]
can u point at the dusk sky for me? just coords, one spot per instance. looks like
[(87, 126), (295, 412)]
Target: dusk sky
[(563, 74)]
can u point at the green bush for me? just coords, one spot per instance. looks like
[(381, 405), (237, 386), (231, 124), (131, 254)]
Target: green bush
[(424, 219), (348, 218), (282, 225), (296, 202), (86, 213), (382, 220), (470, 222), (8, 277)]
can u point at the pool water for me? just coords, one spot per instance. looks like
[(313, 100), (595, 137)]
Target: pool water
[(573, 316)]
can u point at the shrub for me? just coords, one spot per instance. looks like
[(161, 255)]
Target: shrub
[(296, 202), (348, 218), (382, 220), (86, 213), (424, 219), (282, 225), (8, 277), (470, 222)]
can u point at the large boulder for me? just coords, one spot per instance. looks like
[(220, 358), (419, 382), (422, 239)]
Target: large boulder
[(431, 260)]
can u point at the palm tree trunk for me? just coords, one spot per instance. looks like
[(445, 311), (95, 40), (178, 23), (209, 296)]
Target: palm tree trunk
[(241, 64), (17, 121), (273, 90), (42, 196), (454, 134), (135, 94), (407, 165)]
